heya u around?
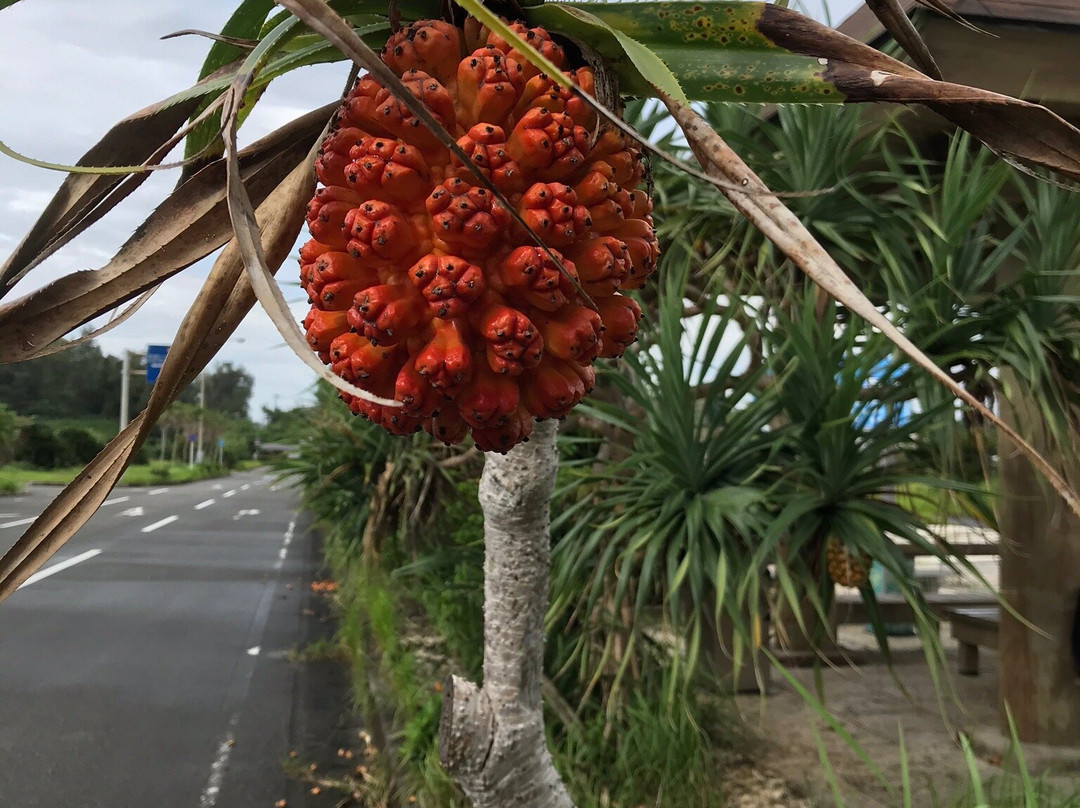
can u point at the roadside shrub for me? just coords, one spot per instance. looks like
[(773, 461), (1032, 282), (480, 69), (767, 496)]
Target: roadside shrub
[(159, 472), (233, 454), (80, 445), (40, 447), (9, 485)]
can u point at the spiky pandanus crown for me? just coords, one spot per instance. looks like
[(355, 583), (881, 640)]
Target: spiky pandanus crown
[(423, 287)]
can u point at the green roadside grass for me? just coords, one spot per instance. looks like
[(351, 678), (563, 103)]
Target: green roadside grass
[(14, 479)]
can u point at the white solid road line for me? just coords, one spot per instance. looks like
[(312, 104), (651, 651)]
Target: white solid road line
[(18, 522), (283, 553), (168, 520), (206, 503), (60, 567), (209, 796), (157, 491), (239, 688), (229, 493), (116, 501)]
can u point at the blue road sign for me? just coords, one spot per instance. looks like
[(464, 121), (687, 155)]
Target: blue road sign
[(155, 358)]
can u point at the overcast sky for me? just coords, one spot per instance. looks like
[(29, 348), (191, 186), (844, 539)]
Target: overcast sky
[(69, 69)]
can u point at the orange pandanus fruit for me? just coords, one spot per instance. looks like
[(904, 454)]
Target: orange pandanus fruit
[(424, 289)]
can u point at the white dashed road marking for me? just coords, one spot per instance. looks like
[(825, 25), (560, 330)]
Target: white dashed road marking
[(168, 520), (60, 567), (206, 503), (116, 501), (136, 511), (228, 494), (157, 491), (18, 522)]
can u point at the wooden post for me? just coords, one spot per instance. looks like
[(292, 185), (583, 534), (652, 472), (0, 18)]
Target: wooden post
[(1040, 578)]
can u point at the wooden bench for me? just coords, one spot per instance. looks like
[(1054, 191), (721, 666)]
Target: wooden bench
[(990, 548), (971, 628), (850, 608)]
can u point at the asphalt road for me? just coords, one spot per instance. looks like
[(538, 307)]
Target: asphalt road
[(147, 664)]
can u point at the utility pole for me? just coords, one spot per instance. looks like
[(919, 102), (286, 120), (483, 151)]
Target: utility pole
[(202, 410), (125, 389)]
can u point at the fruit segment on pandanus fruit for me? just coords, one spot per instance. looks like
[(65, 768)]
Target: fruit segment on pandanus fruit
[(387, 314), (551, 211), (423, 287), (619, 315), (489, 83), (532, 275), (847, 567), (555, 388), (478, 35), (512, 342), (430, 45), (449, 284), (465, 217), (446, 361), (571, 333)]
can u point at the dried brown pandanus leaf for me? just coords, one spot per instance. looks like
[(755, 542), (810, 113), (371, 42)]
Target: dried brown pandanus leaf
[(189, 225), (896, 21), (225, 299), (143, 138), (117, 319), (246, 230), (1028, 132)]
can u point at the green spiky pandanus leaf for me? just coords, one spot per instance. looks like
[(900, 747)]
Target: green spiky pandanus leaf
[(759, 52), (714, 50), (246, 22)]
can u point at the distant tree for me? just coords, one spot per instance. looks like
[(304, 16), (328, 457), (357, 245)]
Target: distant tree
[(82, 382), (285, 426), (78, 382), (10, 425), (228, 390)]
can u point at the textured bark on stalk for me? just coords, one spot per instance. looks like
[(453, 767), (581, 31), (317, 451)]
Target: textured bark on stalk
[(491, 737)]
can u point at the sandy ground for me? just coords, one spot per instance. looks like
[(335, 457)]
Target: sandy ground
[(870, 705), (874, 705)]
